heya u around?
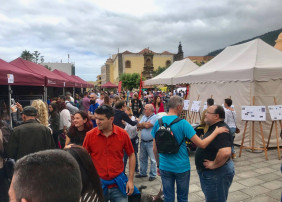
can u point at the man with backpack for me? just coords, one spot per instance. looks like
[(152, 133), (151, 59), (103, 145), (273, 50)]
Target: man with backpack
[(171, 153)]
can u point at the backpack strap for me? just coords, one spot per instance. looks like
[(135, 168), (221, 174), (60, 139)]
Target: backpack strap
[(160, 122), (173, 122)]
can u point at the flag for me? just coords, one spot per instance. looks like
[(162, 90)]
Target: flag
[(140, 87), (119, 86)]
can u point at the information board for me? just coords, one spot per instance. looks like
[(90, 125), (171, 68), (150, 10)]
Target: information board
[(253, 113), (186, 104), (275, 112), (195, 106)]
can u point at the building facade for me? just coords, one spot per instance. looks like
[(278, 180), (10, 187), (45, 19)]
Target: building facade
[(65, 67), (278, 44), (145, 62)]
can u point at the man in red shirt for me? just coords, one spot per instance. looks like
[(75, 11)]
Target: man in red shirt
[(106, 145)]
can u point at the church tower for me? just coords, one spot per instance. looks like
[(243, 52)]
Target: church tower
[(179, 55)]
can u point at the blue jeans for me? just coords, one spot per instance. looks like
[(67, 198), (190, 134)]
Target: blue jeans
[(232, 132), (216, 183), (182, 184), (115, 195), (135, 147), (146, 149)]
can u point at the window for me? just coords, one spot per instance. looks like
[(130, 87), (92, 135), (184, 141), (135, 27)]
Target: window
[(127, 64)]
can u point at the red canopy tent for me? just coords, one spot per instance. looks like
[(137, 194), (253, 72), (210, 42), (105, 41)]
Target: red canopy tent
[(21, 77), (109, 85), (72, 80), (84, 83), (51, 79)]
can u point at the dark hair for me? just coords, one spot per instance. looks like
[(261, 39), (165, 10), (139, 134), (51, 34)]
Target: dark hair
[(155, 100), (91, 185), (47, 176), (210, 101), (55, 109), (87, 126), (220, 111), (120, 104), (228, 101), (85, 93), (106, 100), (105, 109), (62, 97), (61, 105)]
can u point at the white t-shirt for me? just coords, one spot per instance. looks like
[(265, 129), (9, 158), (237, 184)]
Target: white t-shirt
[(131, 130), (65, 119), (229, 120)]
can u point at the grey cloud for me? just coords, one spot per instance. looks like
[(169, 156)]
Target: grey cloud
[(90, 34)]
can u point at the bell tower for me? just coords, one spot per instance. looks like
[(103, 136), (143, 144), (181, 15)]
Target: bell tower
[(148, 64)]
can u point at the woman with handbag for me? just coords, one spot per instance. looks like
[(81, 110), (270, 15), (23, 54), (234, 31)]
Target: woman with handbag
[(230, 120)]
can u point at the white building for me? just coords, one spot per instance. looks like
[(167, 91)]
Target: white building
[(65, 67)]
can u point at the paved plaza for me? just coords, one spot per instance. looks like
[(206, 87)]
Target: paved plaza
[(256, 179)]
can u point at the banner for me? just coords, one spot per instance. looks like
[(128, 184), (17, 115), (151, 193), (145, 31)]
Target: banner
[(140, 87), (119, 86)]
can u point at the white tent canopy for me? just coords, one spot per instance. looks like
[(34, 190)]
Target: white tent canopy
[(251, 61), (176, 69), (249, 73)]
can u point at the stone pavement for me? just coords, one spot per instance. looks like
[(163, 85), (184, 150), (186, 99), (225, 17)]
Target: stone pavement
[(256, 179)]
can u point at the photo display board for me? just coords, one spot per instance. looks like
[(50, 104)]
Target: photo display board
[(195, 106), (186, 104), (275, 112), (253, 113)]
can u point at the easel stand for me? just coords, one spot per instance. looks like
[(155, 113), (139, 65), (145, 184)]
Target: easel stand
[(277, 136), (253, 140), (275, 122), (194, 116)]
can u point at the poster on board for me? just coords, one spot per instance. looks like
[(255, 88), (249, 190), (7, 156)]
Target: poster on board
[(195, 106), (253, 113), (186, 104), (275, 112)]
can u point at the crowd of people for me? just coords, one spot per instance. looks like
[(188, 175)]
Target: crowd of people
[(81, 145)]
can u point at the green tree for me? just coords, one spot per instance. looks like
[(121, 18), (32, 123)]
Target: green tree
[(130, 81), (47, 67), (158, 71), (27, 55), (41, 59), (36, 55)]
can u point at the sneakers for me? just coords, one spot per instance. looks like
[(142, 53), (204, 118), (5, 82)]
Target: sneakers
[(152, 178), (233, 156), (140, 176)]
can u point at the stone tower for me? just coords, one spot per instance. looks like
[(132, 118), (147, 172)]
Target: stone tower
[(179, 55)]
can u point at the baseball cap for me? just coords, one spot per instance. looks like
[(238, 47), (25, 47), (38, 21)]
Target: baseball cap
[(29, 111)]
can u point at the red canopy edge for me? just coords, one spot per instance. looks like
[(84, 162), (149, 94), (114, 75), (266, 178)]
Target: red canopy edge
[(21, 77), (109, 85), (51, 79)]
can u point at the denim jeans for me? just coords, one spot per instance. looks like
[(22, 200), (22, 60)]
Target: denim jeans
[(146, 149), (182, 185), (115, 195), (125, 157), (216, 183), (232, 132)]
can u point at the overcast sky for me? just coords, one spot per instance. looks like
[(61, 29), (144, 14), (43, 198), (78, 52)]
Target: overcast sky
[(92, 30)]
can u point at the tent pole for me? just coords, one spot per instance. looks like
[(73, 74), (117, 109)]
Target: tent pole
[(73, 92), (63, 90), (45, 94), (10, 97)]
